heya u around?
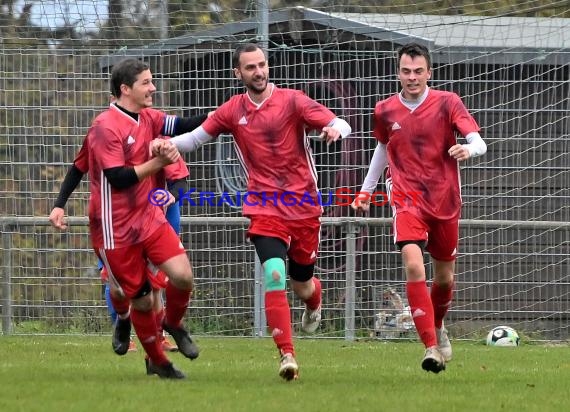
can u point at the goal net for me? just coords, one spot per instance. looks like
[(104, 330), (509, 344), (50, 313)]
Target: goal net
[(509, 62)]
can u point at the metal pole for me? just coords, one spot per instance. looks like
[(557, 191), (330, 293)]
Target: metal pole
[(350, 288), (259, 321), (163, 20), (6, 297), (263, 18)]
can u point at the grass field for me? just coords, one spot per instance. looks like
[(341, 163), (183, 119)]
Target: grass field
[(41, 373)]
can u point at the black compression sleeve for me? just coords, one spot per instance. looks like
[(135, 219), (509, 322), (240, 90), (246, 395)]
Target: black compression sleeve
[(187, 124), (121, 177), (177, 187), (70, 182)]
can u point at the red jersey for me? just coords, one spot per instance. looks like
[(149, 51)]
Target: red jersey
[(274, 150), (82, 158), (119, 218), (417, 145)]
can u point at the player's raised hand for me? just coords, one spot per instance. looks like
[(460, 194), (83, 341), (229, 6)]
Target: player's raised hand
[(459, 152), (57, 218), (329, 134), (361, 202)]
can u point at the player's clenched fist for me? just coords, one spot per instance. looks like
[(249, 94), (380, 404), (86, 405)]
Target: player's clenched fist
[(330, 134), (57, 218), (459, 152), (361, 203), (164, 150), (155, 146)]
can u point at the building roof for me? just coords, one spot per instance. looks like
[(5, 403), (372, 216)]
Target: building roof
[(451, 38), (474, 31)]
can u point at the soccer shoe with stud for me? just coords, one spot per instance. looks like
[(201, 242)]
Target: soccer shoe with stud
[(167, 346), (311, 320), (183, 340), (443, 343), (288, 368), (167, 371), (433, 360), (122, 336)]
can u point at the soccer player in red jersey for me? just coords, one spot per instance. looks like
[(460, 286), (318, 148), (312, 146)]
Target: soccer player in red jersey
[(268, 126), (416, 130), (172, 176), (125, 228)]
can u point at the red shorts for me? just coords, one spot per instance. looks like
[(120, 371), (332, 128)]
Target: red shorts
[(442, 236), (128, 267), (301, 236), (156, 276)]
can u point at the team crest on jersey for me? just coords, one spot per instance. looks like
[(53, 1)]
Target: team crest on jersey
[(130, 140), (396, 126), (242, 121)]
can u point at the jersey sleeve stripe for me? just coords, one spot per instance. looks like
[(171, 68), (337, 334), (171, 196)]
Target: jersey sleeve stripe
[(169, 125)]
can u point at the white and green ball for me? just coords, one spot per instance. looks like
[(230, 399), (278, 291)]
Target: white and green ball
[(503, 336)]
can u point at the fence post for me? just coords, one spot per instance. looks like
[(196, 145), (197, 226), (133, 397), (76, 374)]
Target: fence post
[(6, 297), (259, 321), (350, 287)]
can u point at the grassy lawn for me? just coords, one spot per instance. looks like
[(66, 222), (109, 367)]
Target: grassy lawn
[(78, 373)]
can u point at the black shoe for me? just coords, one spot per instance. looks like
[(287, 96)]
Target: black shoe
[(167, 371), (122, 336), (433, 360), (183, 340)]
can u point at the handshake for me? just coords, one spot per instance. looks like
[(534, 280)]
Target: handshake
[(164, 150)]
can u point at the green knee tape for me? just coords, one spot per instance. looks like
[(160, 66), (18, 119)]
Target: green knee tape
[(274, 271)]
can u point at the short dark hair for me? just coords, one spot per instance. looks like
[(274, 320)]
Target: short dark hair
[(414, 50), (126, 72), (244, 48)]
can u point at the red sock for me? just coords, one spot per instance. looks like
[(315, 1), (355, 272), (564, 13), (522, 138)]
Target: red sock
[(145, 327), (121, 306), (422, 311), (441, 300), (315, 300), (159, 317), (278, 316), (178, 301)]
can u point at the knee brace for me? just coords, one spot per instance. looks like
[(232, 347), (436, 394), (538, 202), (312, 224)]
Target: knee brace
[(274, 271)]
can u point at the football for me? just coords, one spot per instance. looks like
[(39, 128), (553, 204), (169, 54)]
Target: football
[(503, 336)]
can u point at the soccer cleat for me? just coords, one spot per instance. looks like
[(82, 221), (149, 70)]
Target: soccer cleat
[(433, 360), (132, 346), (443, 343), (288, 368), (122, 336), (167, 346), (167, 371), (183, 340), (311, 320)]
